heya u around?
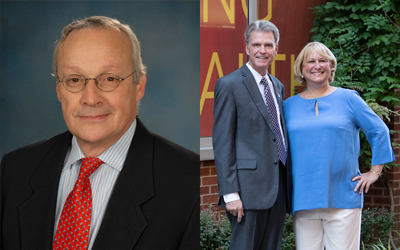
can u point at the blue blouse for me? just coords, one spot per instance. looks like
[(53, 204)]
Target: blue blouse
[(325, 148)]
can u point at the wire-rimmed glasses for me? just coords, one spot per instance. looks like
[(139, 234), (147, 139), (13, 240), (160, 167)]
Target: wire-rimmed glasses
[(106, 82)]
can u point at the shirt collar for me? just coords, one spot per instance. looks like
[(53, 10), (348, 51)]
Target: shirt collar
[(113, 156), (257, 76)]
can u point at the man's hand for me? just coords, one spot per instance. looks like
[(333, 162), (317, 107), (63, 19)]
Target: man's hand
[(236, 209)]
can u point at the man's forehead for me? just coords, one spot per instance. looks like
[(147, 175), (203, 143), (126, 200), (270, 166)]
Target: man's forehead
[(90, 38), (105, 49), (262, 36), (108, 67), (86, 34), (255, 33)]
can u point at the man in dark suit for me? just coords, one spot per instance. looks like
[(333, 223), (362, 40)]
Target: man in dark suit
[(108, 182), (251, 145)]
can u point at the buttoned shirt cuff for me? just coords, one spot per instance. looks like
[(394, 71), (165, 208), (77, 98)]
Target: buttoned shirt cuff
[(231, 197)]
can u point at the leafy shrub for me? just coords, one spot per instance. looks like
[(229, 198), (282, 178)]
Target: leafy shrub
[(375, 225), (288, 234), (214, 234)]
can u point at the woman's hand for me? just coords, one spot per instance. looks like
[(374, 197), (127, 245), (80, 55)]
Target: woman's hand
[(366, 179)]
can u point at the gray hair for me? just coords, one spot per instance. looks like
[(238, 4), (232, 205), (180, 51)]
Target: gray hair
[(103, 22), (261, 26)]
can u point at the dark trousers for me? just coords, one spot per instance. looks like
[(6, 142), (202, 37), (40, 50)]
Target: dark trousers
[(261, 229)]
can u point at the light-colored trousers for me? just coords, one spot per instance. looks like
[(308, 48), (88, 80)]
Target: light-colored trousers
[(334, 228)]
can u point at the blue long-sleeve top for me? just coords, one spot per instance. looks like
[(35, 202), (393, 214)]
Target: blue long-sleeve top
[(325, 148)]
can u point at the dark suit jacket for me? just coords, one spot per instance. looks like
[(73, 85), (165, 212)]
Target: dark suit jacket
[(154, 205), (245, 147)]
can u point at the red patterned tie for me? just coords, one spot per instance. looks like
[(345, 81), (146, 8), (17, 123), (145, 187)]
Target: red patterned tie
[(74, 224)]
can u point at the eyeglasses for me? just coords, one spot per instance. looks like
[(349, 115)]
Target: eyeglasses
[(106, 82)]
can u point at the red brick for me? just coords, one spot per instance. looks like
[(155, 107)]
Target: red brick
[(208, 163), (375, 191), (204, 171), (394, 176), (397, 217), (380, 201), (210, 198), (209, 180), (378, 184), (204, 190), (396, 208), (213, 171), (395, 170), (367, 200), (396, 192), (214, 189)]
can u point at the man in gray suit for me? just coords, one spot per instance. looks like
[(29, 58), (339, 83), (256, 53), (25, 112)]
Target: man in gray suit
[(251, 145)]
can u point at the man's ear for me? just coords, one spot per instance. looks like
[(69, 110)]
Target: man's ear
[(58, 92), (140, 87), (276, 49)]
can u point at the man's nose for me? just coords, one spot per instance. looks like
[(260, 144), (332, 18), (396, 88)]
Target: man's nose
[(91, 94)]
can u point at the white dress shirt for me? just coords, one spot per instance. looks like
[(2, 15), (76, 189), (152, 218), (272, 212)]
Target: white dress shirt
[(102, 180), (257, 77)]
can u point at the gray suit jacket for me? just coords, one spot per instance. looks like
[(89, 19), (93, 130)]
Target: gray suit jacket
[(245, 147)]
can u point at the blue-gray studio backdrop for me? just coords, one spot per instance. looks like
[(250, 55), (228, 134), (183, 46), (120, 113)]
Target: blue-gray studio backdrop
[(170, 41)]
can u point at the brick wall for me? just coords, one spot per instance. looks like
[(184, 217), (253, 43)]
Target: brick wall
[(209, 187)]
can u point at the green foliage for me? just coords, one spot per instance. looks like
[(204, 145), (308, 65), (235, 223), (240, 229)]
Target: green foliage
[(375, 225), (376, 246), (214, 234), (364, 35), (288, 234)]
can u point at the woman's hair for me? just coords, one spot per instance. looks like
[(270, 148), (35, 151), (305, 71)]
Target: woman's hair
[(305, 53)]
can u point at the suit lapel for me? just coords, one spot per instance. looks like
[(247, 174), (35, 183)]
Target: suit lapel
[(124, 222), (37, 214), (254, 91)]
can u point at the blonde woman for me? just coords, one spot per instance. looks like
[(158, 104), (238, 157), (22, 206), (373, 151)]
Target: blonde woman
[(323, 124)]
